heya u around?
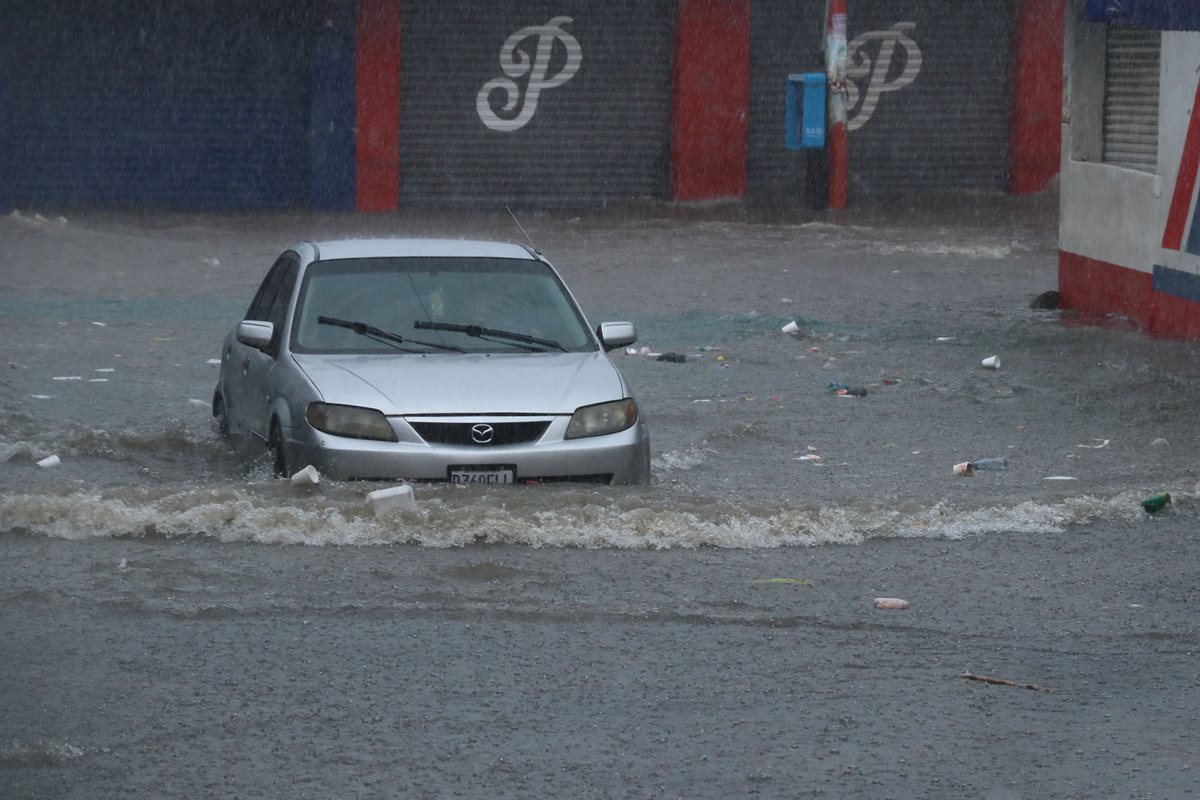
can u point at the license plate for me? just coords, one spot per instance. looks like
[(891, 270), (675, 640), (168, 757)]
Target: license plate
[(476, 476)]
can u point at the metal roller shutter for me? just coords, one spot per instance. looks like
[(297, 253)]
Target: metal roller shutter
[(1131, 98), (595, 128), (932, 87), (185, 104)]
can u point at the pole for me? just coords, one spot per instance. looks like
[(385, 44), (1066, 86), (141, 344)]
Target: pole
[(835, 66)]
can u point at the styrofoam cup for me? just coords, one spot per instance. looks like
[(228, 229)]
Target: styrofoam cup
[(991, 362), (307, 476), (791, 327), (393, 498), (49, 461)]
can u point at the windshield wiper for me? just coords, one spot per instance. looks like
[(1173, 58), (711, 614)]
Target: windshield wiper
[(480, 332), (387, 337)]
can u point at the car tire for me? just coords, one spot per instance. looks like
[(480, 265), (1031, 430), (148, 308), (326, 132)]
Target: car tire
[(220, 418), (279, 464)]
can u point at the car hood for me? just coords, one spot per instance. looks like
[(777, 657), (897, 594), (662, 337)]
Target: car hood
[(525, 383)]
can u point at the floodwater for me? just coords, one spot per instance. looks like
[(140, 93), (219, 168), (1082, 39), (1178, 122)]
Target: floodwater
[(178, 623), (112, 327)]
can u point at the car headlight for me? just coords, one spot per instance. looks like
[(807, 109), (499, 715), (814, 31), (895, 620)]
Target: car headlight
[(602, 418), (350, 421)]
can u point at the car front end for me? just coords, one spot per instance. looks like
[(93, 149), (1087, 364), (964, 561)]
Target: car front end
[(497, 418)]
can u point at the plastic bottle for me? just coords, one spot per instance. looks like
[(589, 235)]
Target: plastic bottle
[(1156, 502), (991, 463)]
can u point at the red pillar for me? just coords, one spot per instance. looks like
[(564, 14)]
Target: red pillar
[(710, 98), (839, 136), (377, 93), (1035, 120)]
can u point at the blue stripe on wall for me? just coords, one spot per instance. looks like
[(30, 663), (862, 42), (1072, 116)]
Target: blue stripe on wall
[(1163, 15), (1193, 240), (331, 127), (1177, 283)]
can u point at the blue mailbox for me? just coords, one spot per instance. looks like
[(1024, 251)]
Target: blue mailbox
[(805, 110)]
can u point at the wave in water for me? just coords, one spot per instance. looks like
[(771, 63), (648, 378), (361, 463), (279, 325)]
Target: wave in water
[(274, 512)]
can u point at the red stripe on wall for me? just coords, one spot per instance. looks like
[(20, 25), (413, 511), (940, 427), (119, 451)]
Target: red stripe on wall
[(377, 93), (1035, 119), (710, 99), (1175, 317), (1185, 180), (1096, 289)]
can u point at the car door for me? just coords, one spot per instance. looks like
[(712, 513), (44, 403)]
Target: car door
[(248, 392)]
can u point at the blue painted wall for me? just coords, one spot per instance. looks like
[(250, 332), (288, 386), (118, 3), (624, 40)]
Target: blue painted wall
[(177, 104), (331, 126), (5, 201)]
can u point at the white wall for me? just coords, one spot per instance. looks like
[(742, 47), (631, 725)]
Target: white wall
[(1177, 95), (1114, 214)]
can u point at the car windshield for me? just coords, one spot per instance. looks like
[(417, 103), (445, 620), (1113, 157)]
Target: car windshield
[(516, 296)]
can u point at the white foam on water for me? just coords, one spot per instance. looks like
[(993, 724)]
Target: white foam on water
[(573, 518), (10, 451), (976, 250), (36, 220), (17, 753), (680, 459)]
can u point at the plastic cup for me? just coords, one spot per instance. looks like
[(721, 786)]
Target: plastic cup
[(991, 362), (395, 498), (307, 476), (791, 327), (49, 461)]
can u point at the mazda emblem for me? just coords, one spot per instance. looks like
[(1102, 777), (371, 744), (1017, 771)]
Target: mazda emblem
[(482, 433)]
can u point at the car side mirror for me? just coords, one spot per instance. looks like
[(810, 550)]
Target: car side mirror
[(255, 333), (616, 334)]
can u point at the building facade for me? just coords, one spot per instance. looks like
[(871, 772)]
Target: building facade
[(1129, 223), (381, 104)]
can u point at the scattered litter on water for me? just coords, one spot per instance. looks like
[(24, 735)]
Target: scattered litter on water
[(307, 477)]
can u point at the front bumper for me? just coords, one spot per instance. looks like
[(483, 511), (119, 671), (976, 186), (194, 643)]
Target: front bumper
[(619, 458)]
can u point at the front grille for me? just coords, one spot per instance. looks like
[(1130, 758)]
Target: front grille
[(460, 433)]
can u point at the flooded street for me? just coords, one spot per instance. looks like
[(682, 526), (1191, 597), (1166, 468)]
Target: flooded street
[(177, 623)]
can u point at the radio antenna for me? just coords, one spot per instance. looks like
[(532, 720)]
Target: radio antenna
[(522, 227)]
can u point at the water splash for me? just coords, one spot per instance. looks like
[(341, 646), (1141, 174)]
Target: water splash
[(271, 512)]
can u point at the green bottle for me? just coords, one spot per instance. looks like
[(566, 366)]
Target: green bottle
[(1155, 502)]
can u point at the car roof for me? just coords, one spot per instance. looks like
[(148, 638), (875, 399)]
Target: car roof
[(383, 248)]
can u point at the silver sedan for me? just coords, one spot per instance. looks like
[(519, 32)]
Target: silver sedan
[(429, 359)]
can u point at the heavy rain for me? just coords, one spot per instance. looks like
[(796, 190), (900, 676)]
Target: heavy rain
[(901, 536)]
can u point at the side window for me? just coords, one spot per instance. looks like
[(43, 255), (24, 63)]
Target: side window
[(261, 304), (277, 313)]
